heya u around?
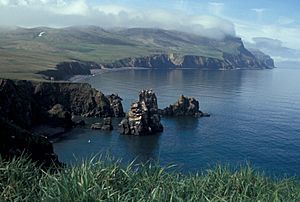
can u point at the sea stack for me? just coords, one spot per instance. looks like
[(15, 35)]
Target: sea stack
[(183, 107), (143, 117)]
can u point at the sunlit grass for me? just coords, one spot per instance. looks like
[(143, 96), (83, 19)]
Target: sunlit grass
[(103, 180)]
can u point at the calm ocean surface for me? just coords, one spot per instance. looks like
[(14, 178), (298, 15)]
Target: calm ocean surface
[(255, 118)]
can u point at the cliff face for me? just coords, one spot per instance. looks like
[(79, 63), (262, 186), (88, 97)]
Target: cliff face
[(28, 104), (263, 58), (229, 61), (65, 70)]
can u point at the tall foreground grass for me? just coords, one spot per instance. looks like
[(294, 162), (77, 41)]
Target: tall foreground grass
[(21, 180)]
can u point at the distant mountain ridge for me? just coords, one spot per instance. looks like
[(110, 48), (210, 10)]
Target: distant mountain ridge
[(29, 51)]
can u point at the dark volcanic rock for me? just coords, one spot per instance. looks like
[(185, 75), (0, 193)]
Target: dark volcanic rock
[(28, 104), (143, 117), (78, 98), (116, 105), (15, 141), (105, 125), (184, 107), (25, 104), (16, 103)]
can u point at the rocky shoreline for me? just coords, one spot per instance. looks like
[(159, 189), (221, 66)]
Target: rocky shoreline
[(77, 71), (25, 105)]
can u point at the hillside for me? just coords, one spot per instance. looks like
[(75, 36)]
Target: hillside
[(25, 52)]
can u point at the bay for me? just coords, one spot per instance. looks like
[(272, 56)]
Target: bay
[(255, 118)]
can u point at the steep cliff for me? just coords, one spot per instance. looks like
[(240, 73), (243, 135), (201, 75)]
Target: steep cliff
[(263, 58), (27, 103), (65, 70), (229, 61)]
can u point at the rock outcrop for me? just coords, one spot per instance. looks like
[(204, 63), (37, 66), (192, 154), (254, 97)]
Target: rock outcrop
[(116, 105), (143, 117), (183, 107), (65, 70), (105, 125), (15, 141), (28, 104)]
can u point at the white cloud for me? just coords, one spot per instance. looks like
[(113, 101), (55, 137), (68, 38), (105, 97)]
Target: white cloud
[(78, 12), (289, 35), (77, 7), (111, 9)]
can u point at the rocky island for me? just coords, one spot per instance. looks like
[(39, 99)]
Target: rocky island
[(184, 107)]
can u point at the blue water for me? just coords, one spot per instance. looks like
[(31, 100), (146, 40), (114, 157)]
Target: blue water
[(255, 118)]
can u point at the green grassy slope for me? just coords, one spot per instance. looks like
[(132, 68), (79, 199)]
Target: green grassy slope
[(100, 180), (23, 52)]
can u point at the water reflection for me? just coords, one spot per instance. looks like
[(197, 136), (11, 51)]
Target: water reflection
[(144, 148)]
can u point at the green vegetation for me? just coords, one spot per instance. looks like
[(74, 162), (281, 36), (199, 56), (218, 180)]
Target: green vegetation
[(21, 180), (23, 52)]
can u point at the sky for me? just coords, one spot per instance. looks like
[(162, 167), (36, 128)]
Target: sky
[(271, 25)]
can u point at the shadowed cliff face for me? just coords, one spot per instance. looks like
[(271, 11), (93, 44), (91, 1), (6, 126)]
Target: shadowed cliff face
[(27, 103), (15, 141), (65, 70), (24, 104)]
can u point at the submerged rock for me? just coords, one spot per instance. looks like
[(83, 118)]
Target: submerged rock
[(143, 117), (96, 126), (105, 125), (183, 107)]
